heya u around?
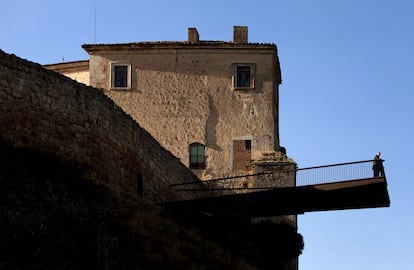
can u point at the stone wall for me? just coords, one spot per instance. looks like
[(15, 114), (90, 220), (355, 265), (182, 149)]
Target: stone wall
[(42, 110), (277, 170)]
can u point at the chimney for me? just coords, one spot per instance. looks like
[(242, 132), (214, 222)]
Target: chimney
[(240, 34), (193, 35)]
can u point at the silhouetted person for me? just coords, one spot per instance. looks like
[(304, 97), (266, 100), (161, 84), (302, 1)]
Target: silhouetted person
[(377, 166)]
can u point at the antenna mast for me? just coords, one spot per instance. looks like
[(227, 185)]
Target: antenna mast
[(95, 27)]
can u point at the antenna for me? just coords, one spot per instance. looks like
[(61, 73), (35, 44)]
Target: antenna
[(95, 27)]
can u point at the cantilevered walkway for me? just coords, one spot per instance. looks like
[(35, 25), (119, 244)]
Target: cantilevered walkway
[(342, 186)]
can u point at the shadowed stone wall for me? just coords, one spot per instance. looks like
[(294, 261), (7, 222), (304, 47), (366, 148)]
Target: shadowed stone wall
[(45, 111)]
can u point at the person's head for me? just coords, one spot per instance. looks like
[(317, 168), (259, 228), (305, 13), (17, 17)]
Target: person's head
[(379, 154)]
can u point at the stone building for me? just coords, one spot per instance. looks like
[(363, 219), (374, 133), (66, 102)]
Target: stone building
[(77, 70), (213, 104)]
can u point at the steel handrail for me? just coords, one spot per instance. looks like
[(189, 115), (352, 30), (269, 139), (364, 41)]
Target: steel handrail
[(273, 172)]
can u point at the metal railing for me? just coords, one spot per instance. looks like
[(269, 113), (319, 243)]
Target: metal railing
[(335, 173), (232, 183), (301, 177)]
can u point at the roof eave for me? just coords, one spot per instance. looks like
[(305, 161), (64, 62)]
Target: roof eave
[(90, 48)]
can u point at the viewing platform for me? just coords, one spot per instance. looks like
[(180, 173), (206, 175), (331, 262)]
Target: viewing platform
[(350, 185)]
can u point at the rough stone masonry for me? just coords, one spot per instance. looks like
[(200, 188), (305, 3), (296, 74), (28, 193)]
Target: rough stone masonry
[(45, 111)]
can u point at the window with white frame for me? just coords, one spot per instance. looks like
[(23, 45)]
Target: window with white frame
[(120, 75), (243, 77)]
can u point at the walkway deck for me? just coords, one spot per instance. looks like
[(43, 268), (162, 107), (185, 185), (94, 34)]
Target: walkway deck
[(339, 195)]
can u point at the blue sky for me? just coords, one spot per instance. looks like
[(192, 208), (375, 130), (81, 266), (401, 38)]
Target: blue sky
[(347, 91)]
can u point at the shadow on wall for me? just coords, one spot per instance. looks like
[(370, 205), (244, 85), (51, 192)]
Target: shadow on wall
[(49, 112), (211, 124), (52, 218), (265, 244)]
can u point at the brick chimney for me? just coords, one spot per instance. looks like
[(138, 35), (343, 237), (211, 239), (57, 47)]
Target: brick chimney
[(193, 35), (240, 34)]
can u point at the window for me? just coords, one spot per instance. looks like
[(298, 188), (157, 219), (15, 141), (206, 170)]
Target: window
[(243, 76), (197, 156), (120, 75)]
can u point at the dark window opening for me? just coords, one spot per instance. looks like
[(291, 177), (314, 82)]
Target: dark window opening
[(120, 76), (197, 156), (243, 76), (248, 144), (140, 186)]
